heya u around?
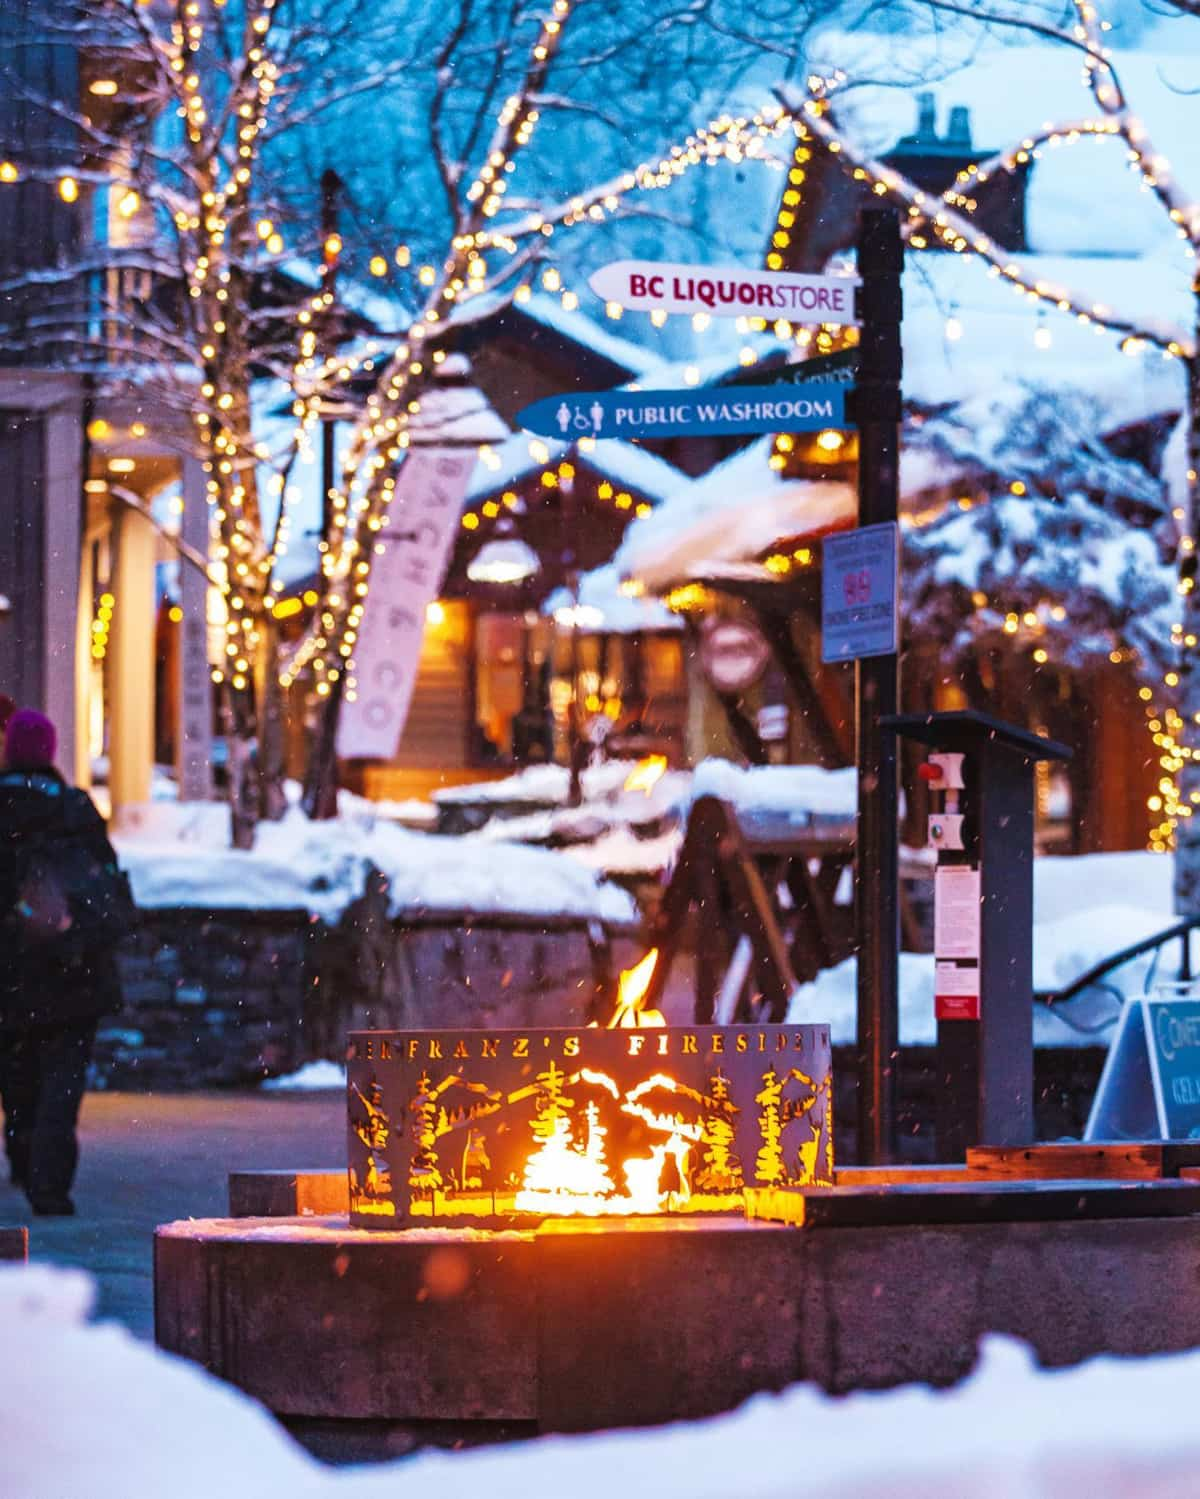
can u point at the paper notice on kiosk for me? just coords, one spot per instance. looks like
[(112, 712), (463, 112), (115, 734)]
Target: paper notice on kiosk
[(956, 928), (956, 890), (956, 991)]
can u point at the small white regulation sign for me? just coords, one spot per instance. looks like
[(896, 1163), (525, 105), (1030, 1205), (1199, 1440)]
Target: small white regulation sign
[(726, 291)]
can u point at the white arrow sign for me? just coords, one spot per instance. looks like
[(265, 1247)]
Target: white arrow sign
[(663, 286)]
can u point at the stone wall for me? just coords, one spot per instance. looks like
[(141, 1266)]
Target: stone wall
[(212, 999), (225, 998)]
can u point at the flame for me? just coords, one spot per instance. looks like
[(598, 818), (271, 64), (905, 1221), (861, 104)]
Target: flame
[(646, 774), (566, 1177), (628, 1014)]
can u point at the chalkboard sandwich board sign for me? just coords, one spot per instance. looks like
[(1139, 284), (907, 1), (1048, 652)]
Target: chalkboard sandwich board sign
[(1150, 1086)]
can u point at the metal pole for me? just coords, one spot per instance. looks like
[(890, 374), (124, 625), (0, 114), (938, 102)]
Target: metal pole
[(321, 775), (876, 886), (576, 748), (331, 186)]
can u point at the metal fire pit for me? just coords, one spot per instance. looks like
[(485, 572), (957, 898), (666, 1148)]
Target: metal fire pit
[(492, 1127)]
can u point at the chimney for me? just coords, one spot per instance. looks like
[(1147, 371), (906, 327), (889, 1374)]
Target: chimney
[(958, 132), (926, 132)]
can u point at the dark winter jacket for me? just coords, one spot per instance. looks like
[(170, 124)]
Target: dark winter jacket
[(44, 988)]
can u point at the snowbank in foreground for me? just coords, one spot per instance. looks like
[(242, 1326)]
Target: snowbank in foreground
[(178, 855), (87, 1412)]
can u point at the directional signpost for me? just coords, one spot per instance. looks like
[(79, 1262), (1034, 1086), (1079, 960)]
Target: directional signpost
[(877, 694), (681, 413), (663, 286), (840, 368), (860, 605)]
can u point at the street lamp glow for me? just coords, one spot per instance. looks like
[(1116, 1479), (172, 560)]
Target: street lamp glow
[(506, 560)]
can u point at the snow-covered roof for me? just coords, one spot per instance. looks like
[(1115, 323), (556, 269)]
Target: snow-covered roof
[(728, 518), (722, 353), (510, 460), (603, 608), (573, 324), (455, 413), (626, 465)]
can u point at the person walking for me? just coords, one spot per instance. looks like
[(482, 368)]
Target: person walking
[(64, 905)]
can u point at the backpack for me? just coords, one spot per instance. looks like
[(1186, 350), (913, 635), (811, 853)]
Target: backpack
[(70, 903)]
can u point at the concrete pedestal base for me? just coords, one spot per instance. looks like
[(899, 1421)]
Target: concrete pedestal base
[(576, 1327)]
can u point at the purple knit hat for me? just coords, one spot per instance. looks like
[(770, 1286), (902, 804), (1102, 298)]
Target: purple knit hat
[(29, 741)]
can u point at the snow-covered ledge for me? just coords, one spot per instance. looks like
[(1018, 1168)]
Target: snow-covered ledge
[(178, 855)]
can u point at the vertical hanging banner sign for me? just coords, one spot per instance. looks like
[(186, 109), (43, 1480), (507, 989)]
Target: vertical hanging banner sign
[(405, 579), (193, 756)]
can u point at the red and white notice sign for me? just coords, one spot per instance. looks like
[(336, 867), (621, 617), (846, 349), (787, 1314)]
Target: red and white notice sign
[(956, 942), (664, 286), (405, 578)]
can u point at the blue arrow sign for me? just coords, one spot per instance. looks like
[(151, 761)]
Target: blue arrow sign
[(688, 413)]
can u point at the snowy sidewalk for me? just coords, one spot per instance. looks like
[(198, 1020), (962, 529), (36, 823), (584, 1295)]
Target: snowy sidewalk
[(149, 1159)]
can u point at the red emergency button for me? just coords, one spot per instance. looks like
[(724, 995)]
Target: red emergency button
[(929, 772)]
